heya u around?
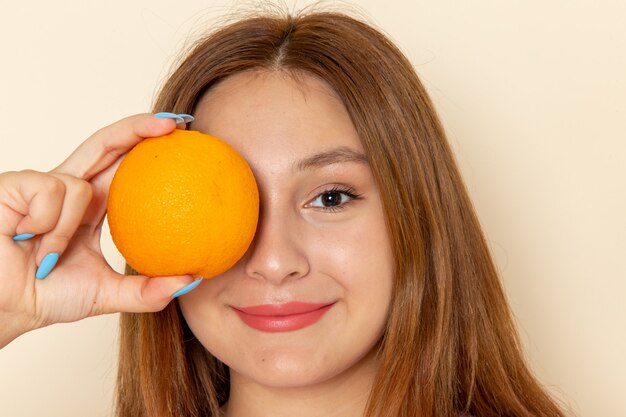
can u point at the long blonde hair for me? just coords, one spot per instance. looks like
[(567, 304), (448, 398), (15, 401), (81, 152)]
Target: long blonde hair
[(450, 345)]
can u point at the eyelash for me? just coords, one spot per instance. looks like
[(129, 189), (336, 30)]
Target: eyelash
[(349, 191)]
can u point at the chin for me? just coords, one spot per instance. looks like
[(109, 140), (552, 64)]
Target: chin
[(287, 379), (284, 371)]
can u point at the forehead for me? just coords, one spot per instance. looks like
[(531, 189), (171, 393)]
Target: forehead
[(273, 116)]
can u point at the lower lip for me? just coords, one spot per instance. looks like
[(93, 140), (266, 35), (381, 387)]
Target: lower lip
[(273, 324)]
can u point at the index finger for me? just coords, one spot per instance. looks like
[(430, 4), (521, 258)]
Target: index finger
[(105, 146)]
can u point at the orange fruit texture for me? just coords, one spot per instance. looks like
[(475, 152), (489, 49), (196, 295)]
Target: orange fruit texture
[(183, 203)]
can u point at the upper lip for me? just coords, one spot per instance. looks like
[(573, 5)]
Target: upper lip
[(284, 309)]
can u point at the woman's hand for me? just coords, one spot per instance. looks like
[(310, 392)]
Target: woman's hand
[(65, 209)]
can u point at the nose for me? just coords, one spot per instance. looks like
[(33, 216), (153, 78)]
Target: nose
[(277, 253)]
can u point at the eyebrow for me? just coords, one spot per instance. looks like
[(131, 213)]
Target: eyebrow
[(337, 155)]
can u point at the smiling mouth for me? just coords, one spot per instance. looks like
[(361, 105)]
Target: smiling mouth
[(282, 317)]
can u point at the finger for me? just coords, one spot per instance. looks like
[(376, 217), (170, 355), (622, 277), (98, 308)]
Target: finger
[(101, 183), (140, 294), (35, 197), (106, 145), (78, 194)]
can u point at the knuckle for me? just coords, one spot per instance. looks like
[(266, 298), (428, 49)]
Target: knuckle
[(27, 171), (57, 241), (81, 189), (54, 186), (7, 177), (105, 136), (110, 149), (61, 239)]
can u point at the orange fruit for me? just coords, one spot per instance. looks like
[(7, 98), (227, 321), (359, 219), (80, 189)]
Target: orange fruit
[(183, 203)]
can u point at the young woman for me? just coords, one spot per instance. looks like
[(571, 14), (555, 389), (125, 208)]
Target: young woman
[(368, 290)]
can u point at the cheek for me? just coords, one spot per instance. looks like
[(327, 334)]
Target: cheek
[(361, 244), (200, 306), (360, 261), (359, 258)]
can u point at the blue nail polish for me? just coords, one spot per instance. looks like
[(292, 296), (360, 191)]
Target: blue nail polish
[(187, 117), (46, 265), (187, 288), (166, 115), (23, 236)]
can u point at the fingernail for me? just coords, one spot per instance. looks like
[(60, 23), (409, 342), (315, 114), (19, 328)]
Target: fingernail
[(166, 115), (186, 117), (46, 265), (23, 236), (187, 288)]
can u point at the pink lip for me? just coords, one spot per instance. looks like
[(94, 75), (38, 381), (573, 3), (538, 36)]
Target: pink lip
[(282, 317)]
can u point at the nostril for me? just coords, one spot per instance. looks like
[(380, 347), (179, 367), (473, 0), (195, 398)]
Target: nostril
[(297, 274)]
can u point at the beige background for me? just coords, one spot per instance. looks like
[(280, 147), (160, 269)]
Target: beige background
[(532, 94)]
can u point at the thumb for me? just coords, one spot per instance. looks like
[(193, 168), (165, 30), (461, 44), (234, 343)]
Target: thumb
[(141, 294)]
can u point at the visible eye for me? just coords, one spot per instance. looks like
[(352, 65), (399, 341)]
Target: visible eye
[(334, 199)]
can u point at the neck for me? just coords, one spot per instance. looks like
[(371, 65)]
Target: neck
[(344, 395)]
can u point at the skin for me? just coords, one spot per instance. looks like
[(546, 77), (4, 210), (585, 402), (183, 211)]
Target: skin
[(302, 251), (64, 209)]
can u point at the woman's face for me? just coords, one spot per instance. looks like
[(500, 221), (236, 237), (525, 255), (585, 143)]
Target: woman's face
[(309, 300)]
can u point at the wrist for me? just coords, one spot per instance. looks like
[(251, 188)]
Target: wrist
[(13, 327)]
